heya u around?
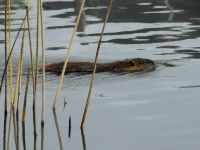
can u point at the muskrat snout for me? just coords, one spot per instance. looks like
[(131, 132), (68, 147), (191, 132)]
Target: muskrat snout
[(137, 64)]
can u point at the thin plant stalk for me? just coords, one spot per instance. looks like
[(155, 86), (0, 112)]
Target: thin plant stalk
[(24, 111), (35, 143), (95, 65), (42, 138), (83, 139), (43, 63), (68, 55), (11, 71), (5, 102), (9, 56), (32, 68), (24, 135), (58, 129), (6, 50), (30, 45), (9, 47), (25, 99), (16, 129), (4, 131), (36, 70), (21, 68), (9, 128), (17, 87), (17, 122)]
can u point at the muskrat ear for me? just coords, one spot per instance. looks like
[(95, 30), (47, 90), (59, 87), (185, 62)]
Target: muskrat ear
[(131, 63)]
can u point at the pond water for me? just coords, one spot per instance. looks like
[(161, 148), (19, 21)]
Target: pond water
[(149, 111)]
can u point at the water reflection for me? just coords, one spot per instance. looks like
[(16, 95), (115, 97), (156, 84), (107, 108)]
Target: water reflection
[(83, 139), (4, 130), (189, 86), (82, 22), (189, 53), (155, 15), (24, 135), (58, 129), (171, 15), (131, 11), (35, 143), (15, 5), (42, 137), (59, 5), (11, 117), (70, 127), (17, 125)]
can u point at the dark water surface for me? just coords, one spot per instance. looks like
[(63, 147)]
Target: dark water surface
[(147, 111)]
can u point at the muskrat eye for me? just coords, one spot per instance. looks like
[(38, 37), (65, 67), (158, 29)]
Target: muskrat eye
[(131, 63)]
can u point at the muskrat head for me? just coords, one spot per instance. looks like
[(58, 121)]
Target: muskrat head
[(137, 64)]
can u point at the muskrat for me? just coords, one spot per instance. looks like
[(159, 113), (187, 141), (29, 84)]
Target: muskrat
[(126, 65)]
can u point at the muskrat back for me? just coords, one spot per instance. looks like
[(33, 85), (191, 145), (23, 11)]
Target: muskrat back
[(127, 65)]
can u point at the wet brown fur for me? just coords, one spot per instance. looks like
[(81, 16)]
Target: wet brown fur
[(127, 65)]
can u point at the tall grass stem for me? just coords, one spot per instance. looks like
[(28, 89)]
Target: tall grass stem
[(68, 55), (95, 65)]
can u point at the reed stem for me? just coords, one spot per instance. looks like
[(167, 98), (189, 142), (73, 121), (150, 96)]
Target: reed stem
[(18, 72), (25, 99), (58, 129), (5, 130), (24, 112), (95, 65), (30, 46), (68, 55), (6, 50), (83, 139), (9, 130), (43, 63), (9, 56), (21, 67), (17, 122), (13, 97), (36, 70), (9, 47)]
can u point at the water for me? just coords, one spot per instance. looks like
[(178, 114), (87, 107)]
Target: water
[(154, 110)]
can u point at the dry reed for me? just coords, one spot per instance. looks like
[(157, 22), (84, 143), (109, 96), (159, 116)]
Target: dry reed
[(30, 45), (58, 129), (6, 50), (24, 111), (21, 67), (25, 99), (36, 70), (9, 56), (68, 55), (18, 86), (9, 128), (83, 139), (5, 102), (4, 131), (95, 65), (9, 45), (43, 64)]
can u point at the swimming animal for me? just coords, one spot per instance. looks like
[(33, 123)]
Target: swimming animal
[(126, 65)]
